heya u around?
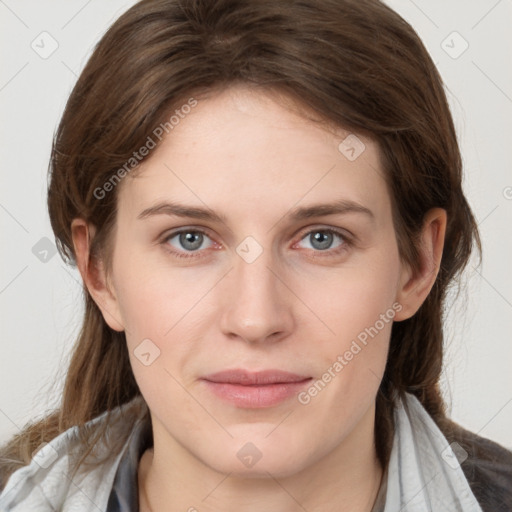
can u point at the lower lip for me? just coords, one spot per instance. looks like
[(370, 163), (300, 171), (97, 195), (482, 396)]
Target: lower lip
[(257, 396)]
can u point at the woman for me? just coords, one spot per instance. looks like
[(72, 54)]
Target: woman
[(264, 201)]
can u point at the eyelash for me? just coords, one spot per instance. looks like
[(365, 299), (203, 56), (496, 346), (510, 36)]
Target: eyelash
[(347, 242)]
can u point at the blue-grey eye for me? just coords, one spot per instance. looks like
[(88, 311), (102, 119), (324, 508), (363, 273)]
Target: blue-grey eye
[(188, 240), (322, 239)]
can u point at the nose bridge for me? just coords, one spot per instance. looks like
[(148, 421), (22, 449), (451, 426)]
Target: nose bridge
[(256, 305), (254, 279)]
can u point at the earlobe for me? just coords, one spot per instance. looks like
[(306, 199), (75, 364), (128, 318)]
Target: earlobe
[(93, 273), (414, 287)]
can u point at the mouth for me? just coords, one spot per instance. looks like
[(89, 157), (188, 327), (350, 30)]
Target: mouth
[(255, 390)]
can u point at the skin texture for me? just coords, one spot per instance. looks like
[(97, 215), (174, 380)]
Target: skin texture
[(244, 155)]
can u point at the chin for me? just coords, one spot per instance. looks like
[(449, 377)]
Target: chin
[(262, 469), (259, 456)]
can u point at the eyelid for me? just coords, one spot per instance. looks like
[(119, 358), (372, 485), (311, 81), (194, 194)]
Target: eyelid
[(344, 233)]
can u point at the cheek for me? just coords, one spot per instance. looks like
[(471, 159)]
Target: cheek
[(353, 297), (163, 310), (357, 307), (153, 297), (154, 314)]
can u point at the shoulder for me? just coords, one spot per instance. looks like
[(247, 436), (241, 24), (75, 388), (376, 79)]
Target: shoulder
[(487, 466), (47, 483)]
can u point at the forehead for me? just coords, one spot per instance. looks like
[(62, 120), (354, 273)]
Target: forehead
[(241, 146)]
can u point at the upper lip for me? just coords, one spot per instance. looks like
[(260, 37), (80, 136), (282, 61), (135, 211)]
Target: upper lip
[(248, 378)]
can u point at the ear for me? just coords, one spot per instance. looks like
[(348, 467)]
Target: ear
[(94, 275), (415, 287)]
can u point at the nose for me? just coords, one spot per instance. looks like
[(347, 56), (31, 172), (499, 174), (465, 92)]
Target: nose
[(256, 305)]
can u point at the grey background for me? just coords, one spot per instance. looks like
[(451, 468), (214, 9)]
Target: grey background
[(40, 298)]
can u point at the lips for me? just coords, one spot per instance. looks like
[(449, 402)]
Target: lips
[(255, 390), (246, 378)]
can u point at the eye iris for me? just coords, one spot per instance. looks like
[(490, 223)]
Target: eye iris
[(321, 240), (191, 240)]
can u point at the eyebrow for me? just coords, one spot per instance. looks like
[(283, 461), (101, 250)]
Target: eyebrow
[(174, 209)]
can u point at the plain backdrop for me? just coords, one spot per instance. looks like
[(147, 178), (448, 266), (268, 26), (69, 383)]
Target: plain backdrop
[(40, 297)]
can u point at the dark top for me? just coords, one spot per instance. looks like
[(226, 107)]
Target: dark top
[(125, 490)]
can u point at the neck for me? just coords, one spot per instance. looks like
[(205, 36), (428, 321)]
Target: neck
[(347, 479)]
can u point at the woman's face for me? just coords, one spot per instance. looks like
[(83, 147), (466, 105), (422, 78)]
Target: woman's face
[(287, 262)]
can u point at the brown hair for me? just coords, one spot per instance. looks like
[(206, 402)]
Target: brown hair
[(355, 63)]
